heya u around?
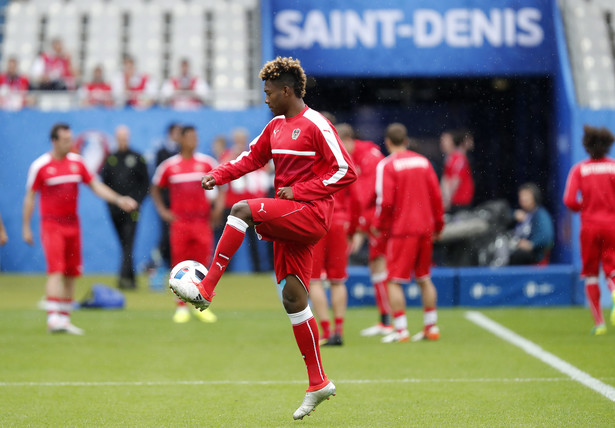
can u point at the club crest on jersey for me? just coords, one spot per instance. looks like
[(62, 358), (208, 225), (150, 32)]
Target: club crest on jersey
[(296, 133)]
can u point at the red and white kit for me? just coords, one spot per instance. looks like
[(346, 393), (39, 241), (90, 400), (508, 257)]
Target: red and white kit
[(191, 235), (457, 167), (408, 211), (309, 157), (57, 181), (595, 180), (366, 156)]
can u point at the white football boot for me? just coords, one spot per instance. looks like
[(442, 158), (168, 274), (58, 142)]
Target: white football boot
[(313, 399), (397, 336), (377, 329)]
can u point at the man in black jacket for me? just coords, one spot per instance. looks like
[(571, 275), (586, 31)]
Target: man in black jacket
[(125, 171)]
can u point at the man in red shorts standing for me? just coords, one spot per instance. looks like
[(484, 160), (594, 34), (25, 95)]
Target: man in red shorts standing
[(409, 215), (190, 214), (594, 178), (310, 165), (56, 176)]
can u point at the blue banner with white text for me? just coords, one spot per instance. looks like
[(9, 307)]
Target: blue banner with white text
[(420, 38)]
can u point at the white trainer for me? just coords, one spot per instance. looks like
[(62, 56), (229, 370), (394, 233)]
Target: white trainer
[(313, 399), (397, 336), (64, 326), (377, 329), (189, 293), (432, 334)]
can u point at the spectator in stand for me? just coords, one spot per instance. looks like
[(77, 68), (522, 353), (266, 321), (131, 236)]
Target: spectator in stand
[(97, 92), (250, 186), (53, 71), (410, 216), (125, 172), (134, 89), (185, 91), (13, 87), (594, 179), (533, 236), (457, 183), (218, 146)]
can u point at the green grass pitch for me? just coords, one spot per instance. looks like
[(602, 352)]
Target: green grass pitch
[(135, 367)]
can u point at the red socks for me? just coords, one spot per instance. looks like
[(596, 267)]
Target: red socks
[(306, 335), (325, 327), (382, 294), (339, 326), (592, 291), (230, 241)]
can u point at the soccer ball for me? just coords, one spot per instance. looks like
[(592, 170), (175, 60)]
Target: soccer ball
[(183, 280)]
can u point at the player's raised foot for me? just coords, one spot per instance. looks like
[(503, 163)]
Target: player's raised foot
[(598, 330), (376, 330), (181, 315), (397, 336), (334, 340), (432, 333), (313, 399), (192, 293), (206, 316)]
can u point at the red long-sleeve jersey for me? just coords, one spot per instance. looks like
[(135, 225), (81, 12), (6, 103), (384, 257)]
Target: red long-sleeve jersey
[(595, 179), (408, 198), (308, 156), (366, 156)]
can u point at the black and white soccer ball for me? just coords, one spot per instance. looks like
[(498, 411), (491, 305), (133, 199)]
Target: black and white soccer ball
[(184, 278)]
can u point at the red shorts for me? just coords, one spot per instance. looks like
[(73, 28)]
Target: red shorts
[(377, 246), (294, 228), (331, 254), (62, 247), (407, 255), (598, 244), (191, 240)]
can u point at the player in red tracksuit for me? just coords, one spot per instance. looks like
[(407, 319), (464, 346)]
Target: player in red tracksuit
[(190, 214), (310, 165), (457, 182), (366, 155), (594, 179), (409, 215), (56, 176), (330, 262)]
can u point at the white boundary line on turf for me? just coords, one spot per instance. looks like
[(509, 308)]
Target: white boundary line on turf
[(283, 382), (536, 351)]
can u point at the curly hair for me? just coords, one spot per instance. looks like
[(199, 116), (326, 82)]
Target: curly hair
[(287, 71), (597, 141)]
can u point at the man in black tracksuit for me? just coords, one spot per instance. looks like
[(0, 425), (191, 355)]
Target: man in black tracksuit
[(125, 171)]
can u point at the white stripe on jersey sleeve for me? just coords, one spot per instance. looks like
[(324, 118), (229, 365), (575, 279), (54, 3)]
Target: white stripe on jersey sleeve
[(163, 166), (247, 152), (328, 134), (35, 167), (379, 184), (292, 152)]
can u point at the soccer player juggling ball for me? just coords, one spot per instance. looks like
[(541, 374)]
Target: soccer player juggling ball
[(310, 165), (594, 179)]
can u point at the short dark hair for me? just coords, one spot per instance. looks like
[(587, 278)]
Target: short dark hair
[(397, 134), (597, 141), (534, 190), (460, 136), (55, 129), (172, 126), (287, 71), (187, 128)]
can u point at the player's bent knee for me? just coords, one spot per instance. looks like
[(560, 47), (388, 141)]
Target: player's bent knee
[(242, 210)]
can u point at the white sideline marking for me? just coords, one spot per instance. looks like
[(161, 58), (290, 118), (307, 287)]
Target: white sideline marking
[(536, 351), (284, 382)]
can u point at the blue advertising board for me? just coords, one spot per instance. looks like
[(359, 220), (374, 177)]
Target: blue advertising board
[(396, 37), (361, 291), (517, 286)]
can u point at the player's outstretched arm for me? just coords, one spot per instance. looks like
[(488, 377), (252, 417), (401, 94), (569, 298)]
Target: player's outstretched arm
[(125, 203), (208, 182), (28, 209)]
